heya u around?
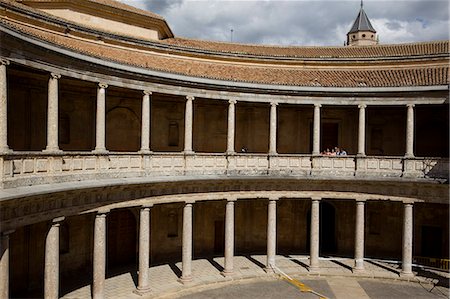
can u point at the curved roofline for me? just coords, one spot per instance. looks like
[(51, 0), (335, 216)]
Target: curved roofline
[(215, 82)]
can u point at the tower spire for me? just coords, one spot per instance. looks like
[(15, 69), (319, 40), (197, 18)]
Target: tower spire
[(362, 31), (361, 4)]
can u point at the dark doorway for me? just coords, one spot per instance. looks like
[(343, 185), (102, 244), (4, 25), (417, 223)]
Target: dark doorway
[(121, 240), (219, 237), (330, 135), (327, 228), (431, 241)]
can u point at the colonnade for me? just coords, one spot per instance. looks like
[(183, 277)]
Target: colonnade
[(51, 277), (100, 145)]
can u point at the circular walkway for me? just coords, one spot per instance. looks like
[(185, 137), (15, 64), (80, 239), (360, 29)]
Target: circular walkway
[(334, 280)]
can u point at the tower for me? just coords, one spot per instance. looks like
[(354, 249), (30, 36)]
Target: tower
[(362, 32)]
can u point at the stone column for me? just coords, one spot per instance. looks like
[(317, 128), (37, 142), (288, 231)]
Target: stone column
[(229, 238), (144, 250), (410, 131), (314, 238), (231, 126), (52, 114), (273, 129), (407, 240), (145, 127), (3, 107), (4, 264), (188, 125), (362, 130), (316, 131), (271, 234), (359, 237), (186, 275), (51, 267), (98, 285), (101, 118)]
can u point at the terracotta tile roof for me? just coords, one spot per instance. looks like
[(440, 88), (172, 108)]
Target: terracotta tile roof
[(397, 50), (412, 74)]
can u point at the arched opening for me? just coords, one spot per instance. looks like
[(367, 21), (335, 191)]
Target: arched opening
[(121, 242)]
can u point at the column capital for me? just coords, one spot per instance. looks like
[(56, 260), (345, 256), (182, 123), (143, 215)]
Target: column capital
[(189, 202), (410, 105), (317, 105), (362, 106), (273, 103), (58, 220), (408, 204), (4, 61), (101, 213), (102, 85), (233, 102), (147, 206), (190, 98), (55, 76), (316, 198), (273, 198), (7, 232), (231, 199), (147, 92), (360, 201)]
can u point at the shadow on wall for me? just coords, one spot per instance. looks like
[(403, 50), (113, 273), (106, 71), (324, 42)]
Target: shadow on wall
[(440, 170)]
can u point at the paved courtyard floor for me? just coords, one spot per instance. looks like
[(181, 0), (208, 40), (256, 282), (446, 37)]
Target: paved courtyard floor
[(334, 280)]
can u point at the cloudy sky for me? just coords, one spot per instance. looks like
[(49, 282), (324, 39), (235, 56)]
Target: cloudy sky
[(300, 22)]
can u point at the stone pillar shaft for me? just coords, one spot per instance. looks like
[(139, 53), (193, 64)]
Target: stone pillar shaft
[(316, 130), (273, 128), (231, 126), (51, 267), (52, 113), (359, 236), (144, 249), (145, 129), (188, 120), (101, 118), (3, 107), (410, 131), (362, 130), (4, 265), (407, 240), (229, 238), (271, 233), (98, 285), (187, 244), (314, 238)]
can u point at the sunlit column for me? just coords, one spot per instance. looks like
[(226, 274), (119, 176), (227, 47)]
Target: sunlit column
[(273, 128), (362, 130), (407, 240), (186, 275), (316, 131), (4, 264), (101, 118), (188, 120), (145, 127), (410, 131), (98, 285), (271, 234), (144, 249), (3, 107), (231, 126), (314, 238), (229, 238), (52, 114), (51, 267), (359, 237)]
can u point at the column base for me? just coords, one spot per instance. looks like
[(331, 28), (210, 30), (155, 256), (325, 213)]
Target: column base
[(269, 270), (227, 273), (52, 150), (189, 153), (145, 152), (230, 153), (313, 269), (100, 151), (5, 150), (185, 280), (409, 156), (360, 155), (273, 154), (142, 291), (407, 274), (358, 270)]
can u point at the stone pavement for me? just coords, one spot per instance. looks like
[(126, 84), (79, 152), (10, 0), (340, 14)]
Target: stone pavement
[(206, 275)]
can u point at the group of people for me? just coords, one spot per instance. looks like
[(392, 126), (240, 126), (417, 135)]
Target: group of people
[(336, 151)]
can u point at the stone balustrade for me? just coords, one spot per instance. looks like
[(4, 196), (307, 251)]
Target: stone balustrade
[(24, 169)]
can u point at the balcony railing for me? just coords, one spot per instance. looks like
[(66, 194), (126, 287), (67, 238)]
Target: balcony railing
[(23, 169)]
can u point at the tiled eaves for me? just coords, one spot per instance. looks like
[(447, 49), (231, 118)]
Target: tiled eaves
[(395, 77), (221, 50)]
